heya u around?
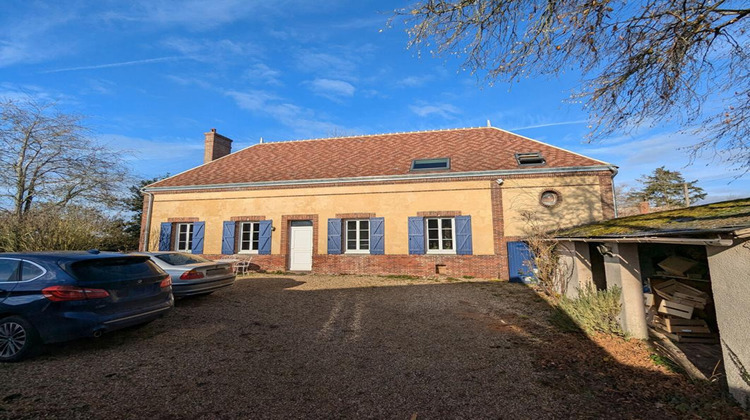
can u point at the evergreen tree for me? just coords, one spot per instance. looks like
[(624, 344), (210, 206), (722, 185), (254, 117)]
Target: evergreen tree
[(665, 188)]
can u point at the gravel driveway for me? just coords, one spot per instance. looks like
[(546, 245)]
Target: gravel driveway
[(339, 347)]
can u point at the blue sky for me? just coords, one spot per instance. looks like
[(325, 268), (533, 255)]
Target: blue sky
[(154, 75)]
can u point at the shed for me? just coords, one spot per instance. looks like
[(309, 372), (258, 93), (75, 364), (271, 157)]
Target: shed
[(702, 249)]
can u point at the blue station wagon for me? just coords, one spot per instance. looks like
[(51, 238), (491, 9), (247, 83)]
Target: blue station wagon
[(50, 297)]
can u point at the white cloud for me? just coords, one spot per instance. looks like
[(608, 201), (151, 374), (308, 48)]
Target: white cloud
[(208, 50), (552, 124), (146, 156), (442, 110), (204, 15), (414, 81), (262, 73), (301, 121), (327, 65), (119, 64), (190, 81), (641, 155), (25, 39), (332, 89)]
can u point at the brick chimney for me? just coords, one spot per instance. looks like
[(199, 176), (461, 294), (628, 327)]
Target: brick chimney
[(644, 207), (216, 146)]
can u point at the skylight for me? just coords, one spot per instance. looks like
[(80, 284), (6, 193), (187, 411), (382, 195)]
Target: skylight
[(530, 158), (430, 164)]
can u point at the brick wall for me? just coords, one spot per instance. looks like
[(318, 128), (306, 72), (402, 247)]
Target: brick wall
[(481, 266)]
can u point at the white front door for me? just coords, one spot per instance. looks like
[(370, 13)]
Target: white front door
[(300, 245)]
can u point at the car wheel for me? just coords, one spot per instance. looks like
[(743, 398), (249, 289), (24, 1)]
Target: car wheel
[(17, 339)]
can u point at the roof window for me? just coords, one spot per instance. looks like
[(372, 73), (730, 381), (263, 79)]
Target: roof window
[(530, 158), (430, 164)]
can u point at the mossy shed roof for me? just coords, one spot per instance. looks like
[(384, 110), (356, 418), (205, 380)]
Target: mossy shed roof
[(725, 216)]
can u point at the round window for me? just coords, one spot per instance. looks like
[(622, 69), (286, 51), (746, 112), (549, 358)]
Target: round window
[(550, 198)]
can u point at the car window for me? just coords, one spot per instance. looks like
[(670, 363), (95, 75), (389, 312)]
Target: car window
[(30, 271), (9, 269), (115, 269), (181, 259)]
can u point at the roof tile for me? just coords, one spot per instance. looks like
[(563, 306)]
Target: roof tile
[(470, 149)]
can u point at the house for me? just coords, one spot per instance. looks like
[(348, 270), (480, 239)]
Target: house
[(418, 203), (695, 263)]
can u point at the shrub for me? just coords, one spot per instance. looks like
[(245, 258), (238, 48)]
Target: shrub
[(592, 311)]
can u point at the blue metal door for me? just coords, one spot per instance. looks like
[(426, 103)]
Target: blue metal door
[(518, 267)]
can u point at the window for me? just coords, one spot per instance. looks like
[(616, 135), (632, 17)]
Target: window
[(31, 271), (549, 198), (429, 164), (183, 240), (9, 269), (249, 237), (357, 236), (440, 235), (181, 259), (531, 158)]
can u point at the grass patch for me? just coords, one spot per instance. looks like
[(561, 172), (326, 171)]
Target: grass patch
[(400, 277), (469, 277), (660, 360), (592, 311)]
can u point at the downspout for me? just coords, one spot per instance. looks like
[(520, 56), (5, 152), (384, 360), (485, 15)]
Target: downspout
[(147, 230), (614, 197)]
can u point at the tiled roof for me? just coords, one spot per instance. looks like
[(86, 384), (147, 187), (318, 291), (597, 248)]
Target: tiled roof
[(469, 149), (723, 216)]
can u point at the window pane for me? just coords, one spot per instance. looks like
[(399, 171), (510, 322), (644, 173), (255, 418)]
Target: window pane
[(446, 223), (364, 224), (255, 245), (364, 244), (433, 244), (364, 234), (432, 223), (31, 271), (181, 259), (432, 234), (245, 236), (351, 244), (447, 244), (9, 270), (351, 224), (256, 235), (447, 234)]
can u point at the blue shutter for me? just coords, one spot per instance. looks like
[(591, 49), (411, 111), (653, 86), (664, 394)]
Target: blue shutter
[(227, 239), (264, 237), (463, 235), (199, 229), (334, 236), (377, 228), (165, 234), (416, 235)]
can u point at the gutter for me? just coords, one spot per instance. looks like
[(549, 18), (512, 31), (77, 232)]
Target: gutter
[(385, 178), (614, 196), (655, 240), (147, 230)]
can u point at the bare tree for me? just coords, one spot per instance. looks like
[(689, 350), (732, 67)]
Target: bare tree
[(551, 272), (644, 62), (47, 156)]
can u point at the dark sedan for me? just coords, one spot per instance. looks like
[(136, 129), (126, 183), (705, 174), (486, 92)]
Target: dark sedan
[(50, 297), (193, 275)]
